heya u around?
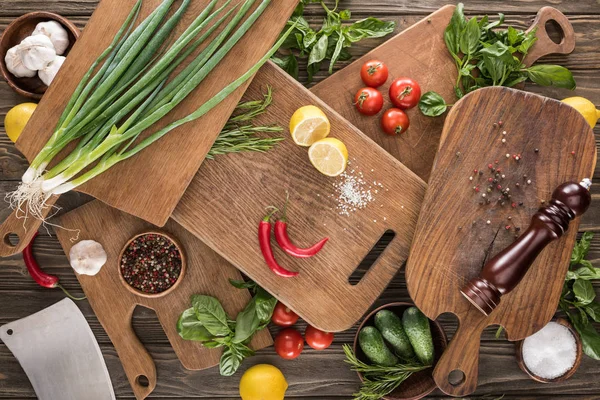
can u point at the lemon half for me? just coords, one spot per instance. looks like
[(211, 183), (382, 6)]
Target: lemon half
[(308, 125), (329, 156)]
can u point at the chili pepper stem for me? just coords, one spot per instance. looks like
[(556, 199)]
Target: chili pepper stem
[(268, 217), (69, 295), (285, 206)]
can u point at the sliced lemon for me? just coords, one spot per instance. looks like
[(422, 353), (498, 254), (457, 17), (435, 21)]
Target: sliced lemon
[(17, 118), (329, 156), (309, 124)]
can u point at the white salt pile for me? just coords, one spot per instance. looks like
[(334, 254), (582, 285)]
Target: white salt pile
[(551, 352)]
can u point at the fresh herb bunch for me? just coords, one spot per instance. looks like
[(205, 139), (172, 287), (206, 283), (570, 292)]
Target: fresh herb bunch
[(330, 43), (578, 297), (379, 381), (207, 322), (485, 56), (237, 138)]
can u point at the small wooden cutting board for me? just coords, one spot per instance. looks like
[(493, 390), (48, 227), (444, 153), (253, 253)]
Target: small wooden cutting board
[(207, 273), (458, 230)]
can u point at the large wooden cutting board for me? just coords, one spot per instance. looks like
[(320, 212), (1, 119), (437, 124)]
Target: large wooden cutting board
[(419, 52), (227, 198), (149, 184), (456, 234), (207, 273)]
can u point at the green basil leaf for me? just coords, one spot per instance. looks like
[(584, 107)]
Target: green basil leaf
[(494, 68), (528, 41), (230, 361), (515, 81), (584, 273), (212, 344), (211, 314), (499, 51), (265, 304), (469, 37), (512, 35), (246, 323), (345, 15), (338, 49), (495, 24), (593, 310), (432, 104), (244, 350), (290, 65), (369, 28), (319, 51), (552, 75), (242, 284), (584, 292), (190, 328), (589, 337), (311, 70)]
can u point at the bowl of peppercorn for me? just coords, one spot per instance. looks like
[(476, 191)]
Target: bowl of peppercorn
[(152, 264)]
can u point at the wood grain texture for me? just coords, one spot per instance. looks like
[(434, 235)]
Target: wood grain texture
[(156, 177), (458, 230), (227, 198), (114, 303), (420, 53)]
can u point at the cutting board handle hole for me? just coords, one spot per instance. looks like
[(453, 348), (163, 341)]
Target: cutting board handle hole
[(9, 332), (554, 31), (142, 380), (11, 239), (456, 377), (370, 259)]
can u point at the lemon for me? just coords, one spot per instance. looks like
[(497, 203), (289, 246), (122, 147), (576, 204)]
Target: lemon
[(329, 156), (585, 107), (263, 382), (309, 124), (17, 118)]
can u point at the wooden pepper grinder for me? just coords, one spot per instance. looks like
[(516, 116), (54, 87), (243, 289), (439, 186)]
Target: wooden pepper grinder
[(503, 272)]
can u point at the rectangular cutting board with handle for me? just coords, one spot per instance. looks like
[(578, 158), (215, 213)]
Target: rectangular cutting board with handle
[(458, 230), (113, 303), (420, 52), (150, 184)]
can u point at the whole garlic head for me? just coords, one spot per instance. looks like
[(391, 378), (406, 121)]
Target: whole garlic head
[(48, 73), (15, 65), (87, 257), (36, 51), (56, 33)]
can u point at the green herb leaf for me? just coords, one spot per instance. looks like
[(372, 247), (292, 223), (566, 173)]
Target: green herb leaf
[(432, 104), (265, 304), (551, 75), (512, 35), (190, 328), (593, 310), (528, 41), (495, 24), (288, 63), (454, 29), (230, 361), (319, 51), (369, 28), (336, 53), (243, 284), (246, 323), (584, 292), (345, 15), (469, 37), (211, 314), (581, 248), (589, 336)]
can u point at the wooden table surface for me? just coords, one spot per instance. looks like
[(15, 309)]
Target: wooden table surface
[(314, 375)]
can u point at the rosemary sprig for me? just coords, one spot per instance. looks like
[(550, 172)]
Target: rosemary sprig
[(379, 381), (237, 139)]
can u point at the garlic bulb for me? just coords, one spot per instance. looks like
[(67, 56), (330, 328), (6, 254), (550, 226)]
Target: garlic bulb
[(15, 65), (48, 73), (56, 33), (87, 257), (36, 51)]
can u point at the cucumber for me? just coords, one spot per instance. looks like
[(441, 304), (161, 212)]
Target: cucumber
[(390, 326), (416, 326), (372, 344)]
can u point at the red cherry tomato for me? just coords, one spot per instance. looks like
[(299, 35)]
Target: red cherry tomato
[(283, 316), (368, 101), (405, 93), (374, 73), (318, 339), (394, 121), (289, 344)]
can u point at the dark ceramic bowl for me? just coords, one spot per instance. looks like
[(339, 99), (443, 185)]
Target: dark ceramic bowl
[(18, 30), (419, 384)]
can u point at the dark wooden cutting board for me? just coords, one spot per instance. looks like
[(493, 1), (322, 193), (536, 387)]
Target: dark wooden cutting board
[(150, 184), (458, 230), (207, 273)]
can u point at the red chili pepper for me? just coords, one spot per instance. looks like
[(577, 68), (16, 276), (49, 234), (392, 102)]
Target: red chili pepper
[(286, 244), (43, 279), (264, 238)]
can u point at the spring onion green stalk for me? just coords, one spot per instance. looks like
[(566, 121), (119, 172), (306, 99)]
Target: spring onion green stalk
[(131, 86)]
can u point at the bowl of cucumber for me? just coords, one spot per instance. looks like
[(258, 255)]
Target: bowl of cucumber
[(397, 340)]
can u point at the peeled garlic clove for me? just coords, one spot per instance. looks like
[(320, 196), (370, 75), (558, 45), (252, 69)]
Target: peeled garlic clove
[(36, 51), (15, 65), (48, 73), (87, 257), (56, 33)]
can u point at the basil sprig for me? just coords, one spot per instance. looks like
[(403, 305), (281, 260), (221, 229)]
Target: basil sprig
[(330, 43), (578, 297), (207, 322), (486, 56)]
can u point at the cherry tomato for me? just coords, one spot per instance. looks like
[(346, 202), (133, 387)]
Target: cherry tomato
[(374, 73), (394, 121), (368, 101), (405, 93), (318, 339), (283, 316), (289, 343)]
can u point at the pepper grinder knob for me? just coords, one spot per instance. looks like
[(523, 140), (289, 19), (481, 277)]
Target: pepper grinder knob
[(504, 271)]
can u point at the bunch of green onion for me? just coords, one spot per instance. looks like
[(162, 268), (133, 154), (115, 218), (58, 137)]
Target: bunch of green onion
[(129, 88)]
